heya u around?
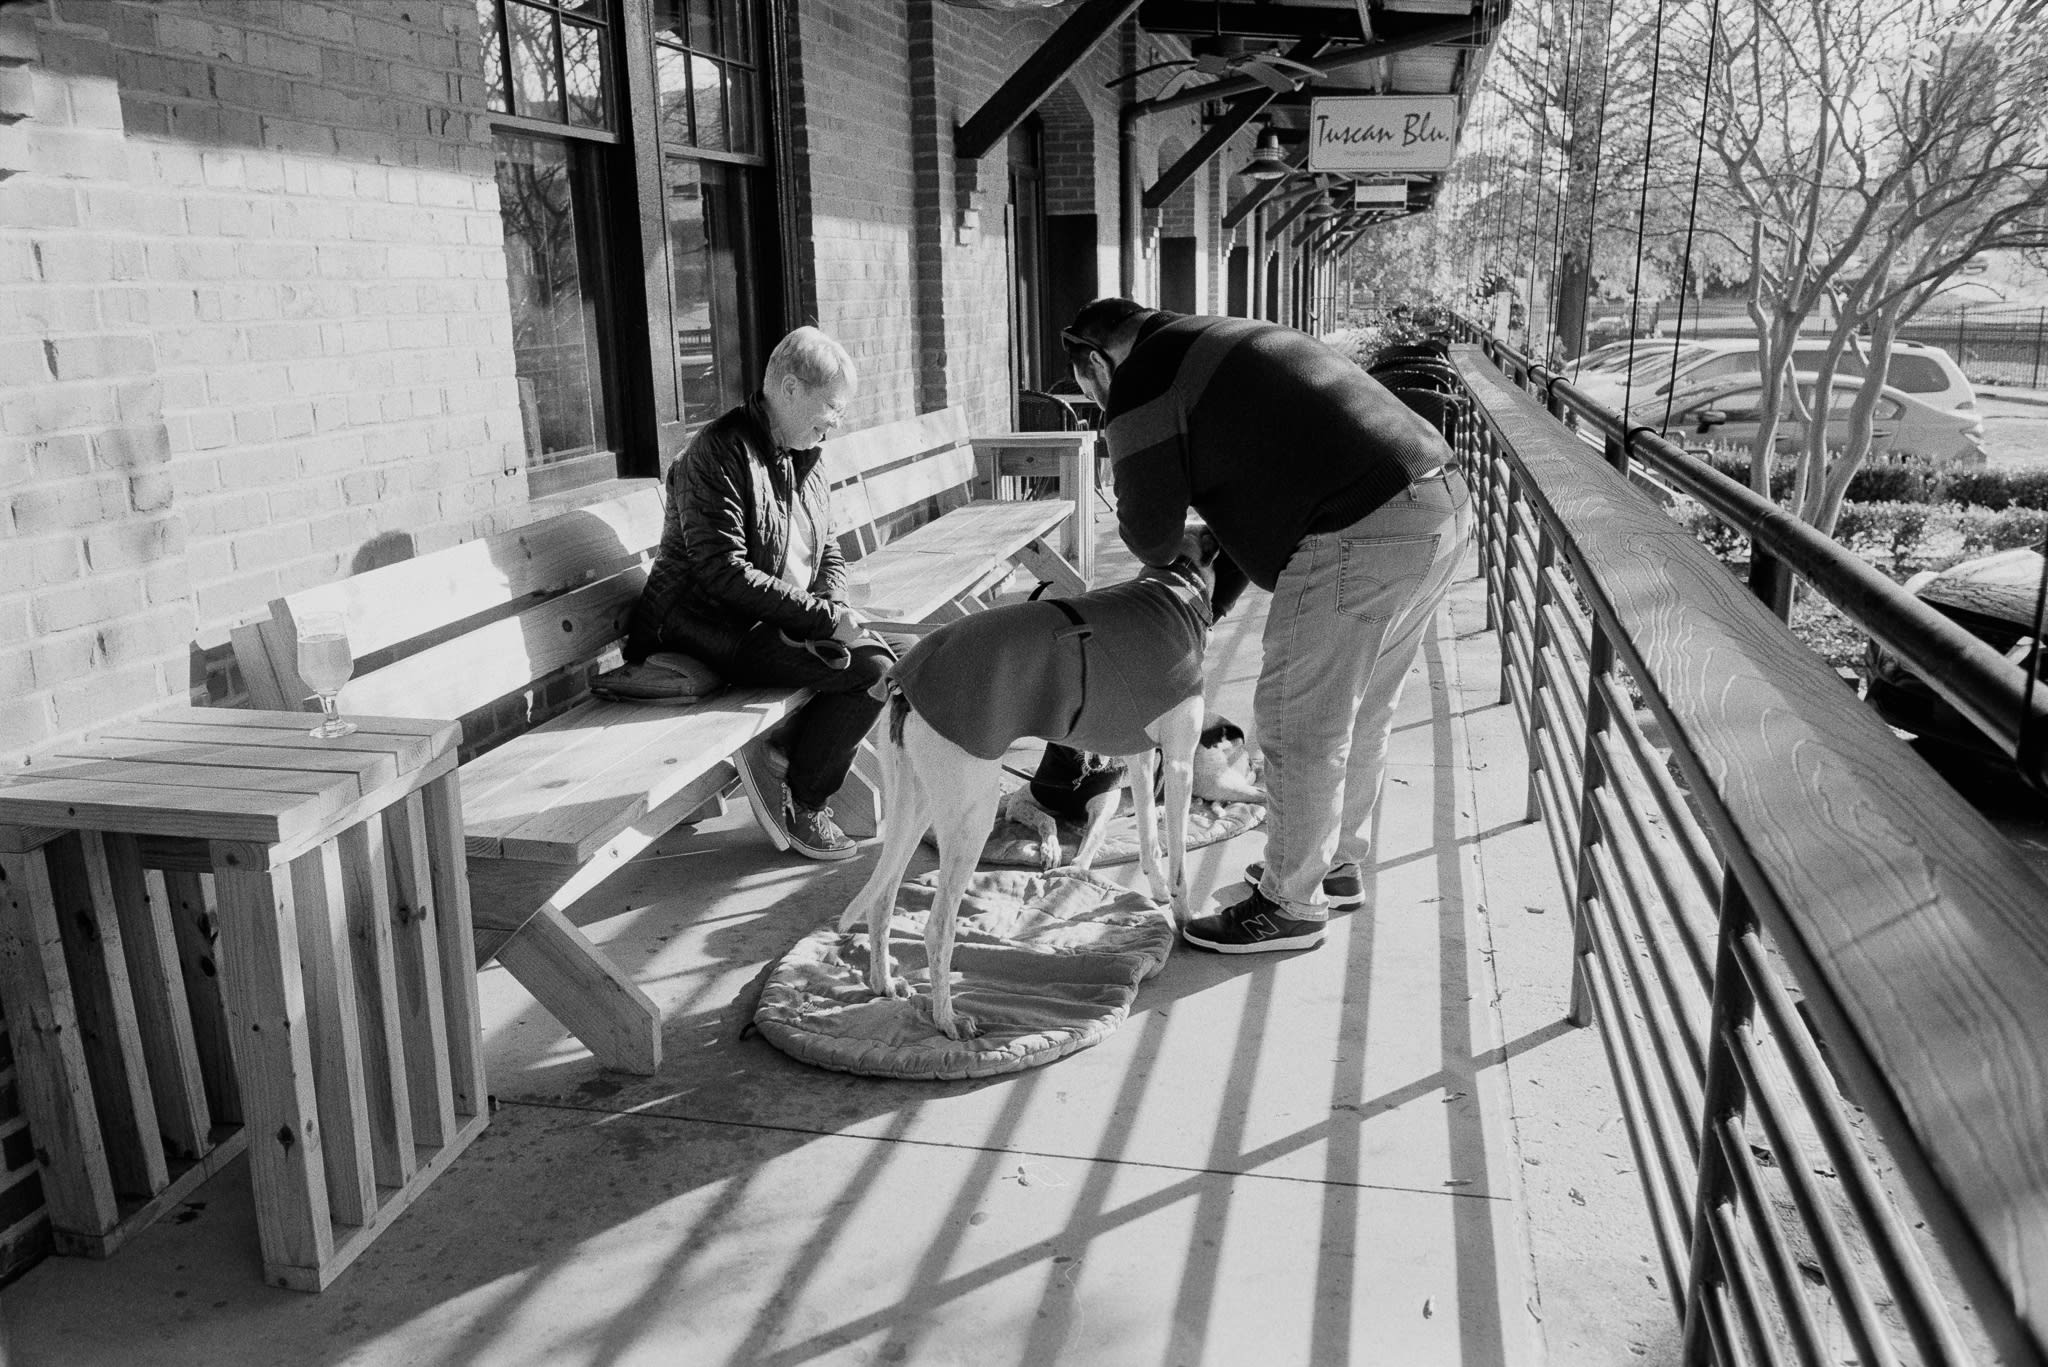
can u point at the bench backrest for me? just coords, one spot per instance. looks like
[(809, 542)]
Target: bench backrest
[(450, 632), (447, 633), (882, 476)]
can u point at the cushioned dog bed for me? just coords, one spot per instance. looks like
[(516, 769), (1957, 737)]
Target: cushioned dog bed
[(1012, 845), (1044, 964)]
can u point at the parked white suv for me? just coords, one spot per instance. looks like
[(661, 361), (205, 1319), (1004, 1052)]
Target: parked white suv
[(1927, 373)]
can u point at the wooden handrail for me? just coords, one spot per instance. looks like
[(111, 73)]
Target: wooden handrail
[(1917, 934)]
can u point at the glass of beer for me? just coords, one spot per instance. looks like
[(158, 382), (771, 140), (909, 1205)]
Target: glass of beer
[(325, 664)]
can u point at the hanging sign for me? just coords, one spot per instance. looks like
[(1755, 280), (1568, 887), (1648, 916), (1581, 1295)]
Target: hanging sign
[(1382, 132)]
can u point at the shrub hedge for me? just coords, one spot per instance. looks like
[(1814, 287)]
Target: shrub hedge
[(1912, 479)]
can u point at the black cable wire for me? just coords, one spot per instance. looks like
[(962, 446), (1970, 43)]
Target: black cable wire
[(1635, 302), (1599, 154), (1570, 95), (1692, 212)]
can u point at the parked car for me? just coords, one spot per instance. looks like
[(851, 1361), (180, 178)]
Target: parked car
[(1927, 373), (1993, 599), (1729, 410)]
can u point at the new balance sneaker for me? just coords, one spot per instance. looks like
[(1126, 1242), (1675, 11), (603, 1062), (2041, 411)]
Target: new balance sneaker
[(1256, 925), (814, 834), (1341, 884), (761, 768)]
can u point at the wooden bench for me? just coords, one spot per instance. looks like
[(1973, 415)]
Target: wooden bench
[(561, 805)]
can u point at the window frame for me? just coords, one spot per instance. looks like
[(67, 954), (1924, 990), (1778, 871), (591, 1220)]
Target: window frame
[(647, 426)]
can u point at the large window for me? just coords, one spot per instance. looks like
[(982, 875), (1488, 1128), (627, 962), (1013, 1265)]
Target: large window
[(547, 73), (707, 74), (640, 263)]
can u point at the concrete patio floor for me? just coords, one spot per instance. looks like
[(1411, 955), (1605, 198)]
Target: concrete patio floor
[(1389, 1150)]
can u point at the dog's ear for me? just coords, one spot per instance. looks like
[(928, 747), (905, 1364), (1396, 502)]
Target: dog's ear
[(1229, 583)]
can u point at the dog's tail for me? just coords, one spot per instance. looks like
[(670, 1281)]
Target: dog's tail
[(899, 708)]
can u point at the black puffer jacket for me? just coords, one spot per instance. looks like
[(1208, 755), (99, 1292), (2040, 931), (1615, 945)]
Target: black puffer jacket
[(724, 538)]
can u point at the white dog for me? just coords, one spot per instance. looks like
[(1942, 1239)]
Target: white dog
[(1117, 671)]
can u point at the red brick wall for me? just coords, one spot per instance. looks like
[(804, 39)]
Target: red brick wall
[(256, 255)]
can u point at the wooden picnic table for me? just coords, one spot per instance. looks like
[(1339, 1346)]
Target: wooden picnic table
[(212, 881)]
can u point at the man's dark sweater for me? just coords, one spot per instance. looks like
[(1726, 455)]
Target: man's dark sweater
[(1263, 430)]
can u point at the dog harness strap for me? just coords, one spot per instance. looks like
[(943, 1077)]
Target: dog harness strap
[(1067, 610)]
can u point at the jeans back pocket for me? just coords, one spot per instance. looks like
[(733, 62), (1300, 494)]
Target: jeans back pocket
[(1379, 576)]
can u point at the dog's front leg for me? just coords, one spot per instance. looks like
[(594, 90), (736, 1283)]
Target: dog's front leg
[(1179, 733), (1146, 808)]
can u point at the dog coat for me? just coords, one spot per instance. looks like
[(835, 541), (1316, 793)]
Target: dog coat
[(1028, 669)]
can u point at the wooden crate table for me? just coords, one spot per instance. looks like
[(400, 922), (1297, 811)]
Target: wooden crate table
[(218, 933)]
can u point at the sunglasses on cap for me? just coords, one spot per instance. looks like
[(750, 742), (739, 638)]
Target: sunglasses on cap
[(1078, 347)]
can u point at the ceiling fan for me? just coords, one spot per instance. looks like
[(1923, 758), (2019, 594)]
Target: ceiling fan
[(1223, 56)]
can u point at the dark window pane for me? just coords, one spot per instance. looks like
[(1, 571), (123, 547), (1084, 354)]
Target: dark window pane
[(669, 20), (704, 25), (707, 95), (583, 73), (740, 108), (551, 274), (532, 33), (709, 233), (739, 30), (672, 96), (589, 9), (496, 97)]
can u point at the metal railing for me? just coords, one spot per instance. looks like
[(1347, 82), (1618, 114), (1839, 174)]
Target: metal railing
[(1811, 962)]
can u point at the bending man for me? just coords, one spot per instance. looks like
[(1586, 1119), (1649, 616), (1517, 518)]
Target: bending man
[(1331, 494)]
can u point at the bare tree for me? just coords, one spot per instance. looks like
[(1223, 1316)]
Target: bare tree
[(1870, 148)]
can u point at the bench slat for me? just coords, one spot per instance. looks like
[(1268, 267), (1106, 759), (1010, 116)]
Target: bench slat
[(856, 454), (629, 758), (481, 666), (923, 570)]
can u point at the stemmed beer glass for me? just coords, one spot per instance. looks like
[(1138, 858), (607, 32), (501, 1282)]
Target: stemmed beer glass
[(325, 663)]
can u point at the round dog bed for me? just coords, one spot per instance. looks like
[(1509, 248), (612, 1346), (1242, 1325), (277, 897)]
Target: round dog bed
[(1011, 845), (1044, 964)]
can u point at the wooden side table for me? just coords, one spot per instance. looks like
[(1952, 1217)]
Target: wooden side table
[(217, 934), (1069, 458)]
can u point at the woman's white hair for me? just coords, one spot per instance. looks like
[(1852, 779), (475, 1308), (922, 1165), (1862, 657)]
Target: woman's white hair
[(813, 357)]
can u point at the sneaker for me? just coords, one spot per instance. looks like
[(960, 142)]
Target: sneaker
[(1342, 885), (1257, 925), (761, 768), (814, 834)]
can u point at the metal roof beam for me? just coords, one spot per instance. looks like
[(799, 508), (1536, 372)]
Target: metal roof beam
[(1041, 73), (1243, 109)]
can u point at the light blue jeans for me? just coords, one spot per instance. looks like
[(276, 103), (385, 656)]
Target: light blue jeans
[(1348, 617)]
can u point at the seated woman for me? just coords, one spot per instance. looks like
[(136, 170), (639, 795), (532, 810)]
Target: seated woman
[(750, 580)]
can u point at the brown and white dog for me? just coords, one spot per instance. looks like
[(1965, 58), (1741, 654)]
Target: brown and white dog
[(1086, 790), (1116, 671)]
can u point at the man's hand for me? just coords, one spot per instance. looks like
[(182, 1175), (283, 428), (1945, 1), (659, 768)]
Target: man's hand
[(847, 624)]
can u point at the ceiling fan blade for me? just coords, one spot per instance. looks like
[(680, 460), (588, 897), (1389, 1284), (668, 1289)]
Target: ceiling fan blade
[(1271, 77)]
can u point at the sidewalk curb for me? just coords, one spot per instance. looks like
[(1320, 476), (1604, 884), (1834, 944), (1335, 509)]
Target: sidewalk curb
[(2030, 397)]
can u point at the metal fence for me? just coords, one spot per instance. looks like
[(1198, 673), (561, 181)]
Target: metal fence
[(2004, 344), (1815, 969)]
